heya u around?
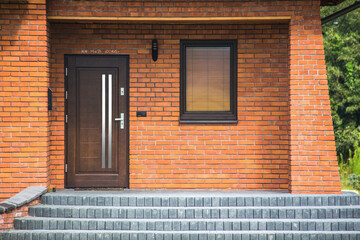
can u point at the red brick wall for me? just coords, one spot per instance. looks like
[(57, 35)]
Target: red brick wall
[(24, 131), (313, 161), (252, 154), (313, 165), (7, 219), (180, 8), (284, 108)]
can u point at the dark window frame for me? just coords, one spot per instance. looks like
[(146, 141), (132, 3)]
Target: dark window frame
[(210, 116)]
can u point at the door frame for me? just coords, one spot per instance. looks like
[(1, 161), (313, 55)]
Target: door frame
[(127, 125)]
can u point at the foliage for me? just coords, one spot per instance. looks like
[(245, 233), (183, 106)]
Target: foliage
[(354, 159), (342, 54), (350, 170), (354, 180)]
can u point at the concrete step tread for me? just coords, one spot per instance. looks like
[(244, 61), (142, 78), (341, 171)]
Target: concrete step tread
[(197, 198), (194, 212), (181, 231), (186, 224), (187, 193), (183, 235), (188, 220), (195, 207)]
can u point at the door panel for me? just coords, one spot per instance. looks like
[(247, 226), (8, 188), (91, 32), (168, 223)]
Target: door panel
[(97, 145), (89, 121)]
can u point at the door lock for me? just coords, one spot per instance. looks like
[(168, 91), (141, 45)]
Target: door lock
[(122, 120)]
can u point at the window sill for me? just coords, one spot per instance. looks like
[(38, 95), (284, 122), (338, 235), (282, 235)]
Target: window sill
[(209, 121)]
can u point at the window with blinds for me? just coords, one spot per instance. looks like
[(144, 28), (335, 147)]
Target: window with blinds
[(208, 80)]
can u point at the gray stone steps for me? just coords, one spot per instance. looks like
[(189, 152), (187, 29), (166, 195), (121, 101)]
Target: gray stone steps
[(195, 198), (189, 215), (314, 212), (176, 235), (31, 223)]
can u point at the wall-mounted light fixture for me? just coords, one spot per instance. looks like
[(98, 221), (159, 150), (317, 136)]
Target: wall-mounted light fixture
[(154, 49), (50, 100)]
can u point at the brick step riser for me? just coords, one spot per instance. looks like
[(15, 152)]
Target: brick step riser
[(201, 201), (176, 225), (178, 236), (194, 213)]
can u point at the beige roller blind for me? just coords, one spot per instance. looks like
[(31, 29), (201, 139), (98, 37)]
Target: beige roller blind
[(208, 79)]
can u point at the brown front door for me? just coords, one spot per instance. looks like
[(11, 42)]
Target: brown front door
[(96, 121)]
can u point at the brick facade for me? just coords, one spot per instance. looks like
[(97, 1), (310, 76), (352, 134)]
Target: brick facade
[(252, 154), (7, 219), (283, 140), (24, 80)]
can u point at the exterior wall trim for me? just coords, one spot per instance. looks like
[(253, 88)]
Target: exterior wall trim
[(173, 20)]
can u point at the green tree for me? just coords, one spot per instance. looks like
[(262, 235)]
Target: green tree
[(342, 54)]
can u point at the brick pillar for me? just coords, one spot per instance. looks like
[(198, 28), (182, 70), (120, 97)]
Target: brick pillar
[(24, 79), (313, 162)]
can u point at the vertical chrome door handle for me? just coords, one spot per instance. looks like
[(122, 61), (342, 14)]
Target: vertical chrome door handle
[(121, 119), (109, 120), (103, 116)]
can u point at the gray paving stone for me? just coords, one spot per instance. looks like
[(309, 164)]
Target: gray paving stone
[(125, 236), (273, 201), (288, 201), (106, 213), (313, 213), (215, 213), (64, 200), (92, 201), (108, 201), (270, 226), (114, 213), (224, 213), (265, 201), (306, 213), (249, 201), (182, 202), (319, 226), (185, 226), (82, 213), (240, 201), (116, 202), (168, 226), (91, 213), (155, 213), (190, 202), (173, 202), (75, 213), (287, 226), (124, 201), (165, 202), (189, 213), (123, 213), (100, 201), (156, 202), (224, 201), (131, 213), (139, 213), (274, 213), (83, 200), (215, 201), (257, 213), (98, 213)]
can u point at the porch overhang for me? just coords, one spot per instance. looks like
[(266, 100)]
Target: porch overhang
[(323, 2), (173, 20)]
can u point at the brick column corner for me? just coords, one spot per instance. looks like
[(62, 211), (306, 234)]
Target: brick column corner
[(313, 161), (24, 80)]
